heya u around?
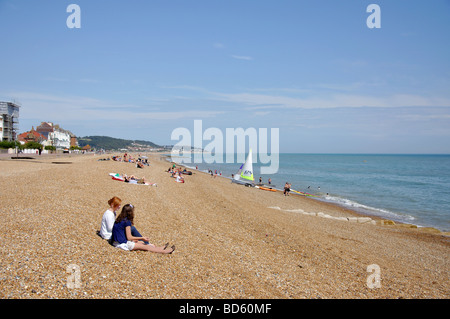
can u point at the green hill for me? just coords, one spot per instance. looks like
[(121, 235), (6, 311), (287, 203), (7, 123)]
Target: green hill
[(111, 143)]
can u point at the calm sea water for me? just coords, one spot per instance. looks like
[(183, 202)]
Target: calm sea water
[(413, 189)]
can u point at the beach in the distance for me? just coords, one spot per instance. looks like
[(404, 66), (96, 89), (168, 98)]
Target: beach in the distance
[(404, 188), (232, 241)]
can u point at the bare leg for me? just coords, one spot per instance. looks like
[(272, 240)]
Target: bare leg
[(155, 249), (135, 233)]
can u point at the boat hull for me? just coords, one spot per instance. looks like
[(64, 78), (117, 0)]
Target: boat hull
[(245, 183)]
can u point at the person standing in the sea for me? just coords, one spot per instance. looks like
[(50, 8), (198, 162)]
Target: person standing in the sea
[(287, 189)]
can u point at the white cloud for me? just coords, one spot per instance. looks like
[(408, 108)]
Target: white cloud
[(48, 107), (424, 117), (89, 81), (262, 101), (288, 98), (261, 113), (49, 78), (242, 57), (218, 45)]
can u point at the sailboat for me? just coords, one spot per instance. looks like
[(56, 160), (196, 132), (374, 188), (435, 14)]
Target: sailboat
[(244, 175)]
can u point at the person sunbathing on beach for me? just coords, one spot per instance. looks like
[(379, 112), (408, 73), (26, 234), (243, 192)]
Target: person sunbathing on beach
[(134, 180), (139, 164), (143, 160), (123, 238)]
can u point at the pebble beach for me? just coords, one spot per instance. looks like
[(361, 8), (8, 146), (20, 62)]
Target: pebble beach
[(231, 241)]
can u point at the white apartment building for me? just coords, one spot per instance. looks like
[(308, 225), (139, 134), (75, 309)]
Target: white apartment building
[(60, 138), (9, 120), (55, 135)]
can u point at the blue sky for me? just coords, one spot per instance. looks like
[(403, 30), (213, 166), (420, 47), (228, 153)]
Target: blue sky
[(313, 69)]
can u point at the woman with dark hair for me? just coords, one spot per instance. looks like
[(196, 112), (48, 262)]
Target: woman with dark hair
[(122, 237)]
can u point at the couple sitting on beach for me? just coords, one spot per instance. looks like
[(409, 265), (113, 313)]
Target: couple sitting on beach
[(177, 174), (121, 232), (141, 162)]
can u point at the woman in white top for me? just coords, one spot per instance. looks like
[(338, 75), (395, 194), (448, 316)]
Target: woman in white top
[(109, 217)]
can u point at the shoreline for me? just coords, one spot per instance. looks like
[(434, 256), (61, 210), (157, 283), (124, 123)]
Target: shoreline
[(231, 242), (357, 213)]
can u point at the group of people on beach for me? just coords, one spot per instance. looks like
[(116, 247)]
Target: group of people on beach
[(140, 162), (178, 173), (269, 181), (215, 173), (120, 231)]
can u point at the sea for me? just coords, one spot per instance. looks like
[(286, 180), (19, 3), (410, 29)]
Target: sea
[(413, 189)]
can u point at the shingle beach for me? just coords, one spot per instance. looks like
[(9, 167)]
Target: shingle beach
[(231, 241)]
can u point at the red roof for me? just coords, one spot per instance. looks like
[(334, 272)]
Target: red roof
[(31, 136)]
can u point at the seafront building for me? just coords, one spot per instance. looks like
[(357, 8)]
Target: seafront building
[(46, 133), (56, 136), (49, 134), (31, 136), (9, 121)]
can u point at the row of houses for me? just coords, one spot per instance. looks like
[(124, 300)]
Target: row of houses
[(49, 134), (46, 134)]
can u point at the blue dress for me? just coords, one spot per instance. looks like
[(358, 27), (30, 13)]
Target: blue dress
[(118, 232)]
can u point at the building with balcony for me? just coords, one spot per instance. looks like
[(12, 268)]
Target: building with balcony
[(9, 121), (55, 135)]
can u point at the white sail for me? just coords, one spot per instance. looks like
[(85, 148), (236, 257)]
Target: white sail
[(245, 173)]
